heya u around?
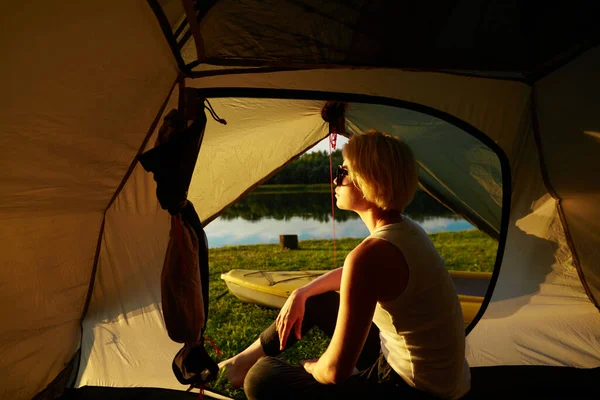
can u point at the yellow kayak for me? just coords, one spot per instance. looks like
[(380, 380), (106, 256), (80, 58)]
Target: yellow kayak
[(271, 288)]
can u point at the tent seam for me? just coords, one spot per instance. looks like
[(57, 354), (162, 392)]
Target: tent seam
[(132, 165), (553, 66), (266, 66), (128, 173)]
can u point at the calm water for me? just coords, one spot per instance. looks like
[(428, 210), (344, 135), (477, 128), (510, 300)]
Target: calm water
[(261, 218)]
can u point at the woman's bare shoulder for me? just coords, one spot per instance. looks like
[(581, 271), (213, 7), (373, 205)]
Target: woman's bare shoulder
[(383, 264), (373, 250)]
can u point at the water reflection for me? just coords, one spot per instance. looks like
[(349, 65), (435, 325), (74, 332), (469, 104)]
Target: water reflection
[(261, 218)]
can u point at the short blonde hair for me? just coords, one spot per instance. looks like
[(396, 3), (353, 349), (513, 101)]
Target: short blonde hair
[(383, 167)]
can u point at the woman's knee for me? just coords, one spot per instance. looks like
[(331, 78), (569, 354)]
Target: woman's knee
[(259, 382), (271, 378), (323, 301)]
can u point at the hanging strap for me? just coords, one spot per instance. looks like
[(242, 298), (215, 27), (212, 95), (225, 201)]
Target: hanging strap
[(213, 114), (334, 113), (332, 144)]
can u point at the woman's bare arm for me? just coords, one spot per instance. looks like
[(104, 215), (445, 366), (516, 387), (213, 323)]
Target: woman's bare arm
[(292, 313), (366, 276)]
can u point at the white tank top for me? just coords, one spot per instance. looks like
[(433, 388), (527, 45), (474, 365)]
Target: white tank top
[(422, 331)]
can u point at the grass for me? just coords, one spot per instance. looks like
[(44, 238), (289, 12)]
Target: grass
[(233, 325)]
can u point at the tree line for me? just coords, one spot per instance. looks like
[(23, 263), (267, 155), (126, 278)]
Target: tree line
[(284, 206), (308, 168), (313, 168)]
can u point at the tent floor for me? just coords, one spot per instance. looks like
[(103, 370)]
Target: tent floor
[(505, 382)]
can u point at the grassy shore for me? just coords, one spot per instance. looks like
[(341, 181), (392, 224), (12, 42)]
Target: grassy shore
[(233, 325)]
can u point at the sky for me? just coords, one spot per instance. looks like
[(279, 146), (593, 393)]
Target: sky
[(324, 144)]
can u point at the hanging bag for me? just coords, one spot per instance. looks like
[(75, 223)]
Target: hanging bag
[(184, 277)]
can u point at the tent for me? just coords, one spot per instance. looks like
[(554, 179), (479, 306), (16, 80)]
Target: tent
[(499, 99)]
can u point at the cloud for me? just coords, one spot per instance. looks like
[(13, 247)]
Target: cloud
[(439, 224)]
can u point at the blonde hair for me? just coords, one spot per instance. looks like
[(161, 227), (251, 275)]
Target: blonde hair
[(383, 167)]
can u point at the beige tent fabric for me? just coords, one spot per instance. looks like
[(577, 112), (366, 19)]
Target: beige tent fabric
[(81, 86), (539, 313), (569, 122), (260, 135), (492, 106), (125, 342), (126, 300), (45, 270), (486, 104), (85, 81)]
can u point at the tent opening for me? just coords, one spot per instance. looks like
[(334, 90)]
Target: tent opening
[(461, 179)]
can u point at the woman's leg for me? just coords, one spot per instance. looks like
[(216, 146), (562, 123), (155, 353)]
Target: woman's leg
[(320, 311), (271, 378), (237, 366)]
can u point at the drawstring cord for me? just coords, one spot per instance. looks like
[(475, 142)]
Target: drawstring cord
[(214, 346), (213, 113), (200, 388), (204, 385), (332, 144)]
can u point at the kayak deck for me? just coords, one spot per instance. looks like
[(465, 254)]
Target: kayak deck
[(272, 288)]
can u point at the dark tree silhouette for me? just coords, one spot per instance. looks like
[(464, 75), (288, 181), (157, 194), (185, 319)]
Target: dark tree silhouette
[(283, 206), (314, 168), (309, 168)]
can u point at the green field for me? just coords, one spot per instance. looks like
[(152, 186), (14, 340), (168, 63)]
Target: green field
[(233, 325)]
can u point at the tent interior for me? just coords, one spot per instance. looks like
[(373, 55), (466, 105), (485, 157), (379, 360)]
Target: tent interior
[(499, 103)]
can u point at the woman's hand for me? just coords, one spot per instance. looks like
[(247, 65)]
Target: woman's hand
[(291, 316)]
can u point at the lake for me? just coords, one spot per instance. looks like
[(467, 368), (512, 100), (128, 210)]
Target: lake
[(260, 218)]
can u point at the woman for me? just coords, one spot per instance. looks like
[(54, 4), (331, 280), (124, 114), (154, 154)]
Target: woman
[(395, 278)]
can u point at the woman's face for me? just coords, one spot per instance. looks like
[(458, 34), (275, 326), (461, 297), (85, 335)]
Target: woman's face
[(348, 196)]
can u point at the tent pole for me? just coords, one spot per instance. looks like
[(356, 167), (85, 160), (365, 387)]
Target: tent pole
[(167, 32)]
